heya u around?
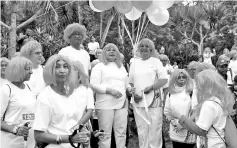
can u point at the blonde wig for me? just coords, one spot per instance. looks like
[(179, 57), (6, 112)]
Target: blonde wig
[(16, 69), (29, 47), (74, 27), (81, 77), (4, 59), (49, 72), (203, 66), (150, 44), (211, 84), (118, 59), (174, 79)]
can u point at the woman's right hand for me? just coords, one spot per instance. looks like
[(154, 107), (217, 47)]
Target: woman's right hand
[(137, 98), (81, 137), (23, 131), (114, 93)]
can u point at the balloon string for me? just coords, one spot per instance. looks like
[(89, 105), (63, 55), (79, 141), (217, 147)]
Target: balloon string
[(125, 26), (145, 27), (137, 35), (143, 22)]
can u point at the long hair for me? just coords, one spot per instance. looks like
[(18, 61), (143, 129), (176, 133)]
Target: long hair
[(81, 77), (211, 84), (49, 72), (174, 78), (15, 70), (118, 59)]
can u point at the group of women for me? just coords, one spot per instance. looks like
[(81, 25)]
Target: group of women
[(45, 105)]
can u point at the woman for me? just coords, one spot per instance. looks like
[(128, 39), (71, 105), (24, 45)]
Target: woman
[(215, 101), (58, 108), (180, 87), (33, 51), (110, 82), (148, 75), (207, 54), (98, 53), (17, 105), (75, 34), (4, 61)]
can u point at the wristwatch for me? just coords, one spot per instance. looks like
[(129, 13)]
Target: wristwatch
[(15, 129)]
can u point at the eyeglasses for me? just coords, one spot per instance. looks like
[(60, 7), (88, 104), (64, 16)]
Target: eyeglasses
[(28, 68), (76, 35)]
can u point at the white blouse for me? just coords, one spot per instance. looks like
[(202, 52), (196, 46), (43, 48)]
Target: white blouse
[(109, 76)]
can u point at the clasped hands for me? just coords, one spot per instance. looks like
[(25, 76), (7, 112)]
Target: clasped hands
[(147, 90), (117, 94)]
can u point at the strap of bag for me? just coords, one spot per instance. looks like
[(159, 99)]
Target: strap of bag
[(215, 128), (3, 117)]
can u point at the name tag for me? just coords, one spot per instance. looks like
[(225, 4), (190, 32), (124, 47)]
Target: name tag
[(28, 116)]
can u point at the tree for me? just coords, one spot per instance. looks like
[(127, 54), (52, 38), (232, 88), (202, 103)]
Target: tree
[(13, 25)]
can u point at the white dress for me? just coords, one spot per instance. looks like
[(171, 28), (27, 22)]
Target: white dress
[(19, 108)]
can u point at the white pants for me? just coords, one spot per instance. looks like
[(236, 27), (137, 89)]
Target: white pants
[(150, 136), (116, 119)]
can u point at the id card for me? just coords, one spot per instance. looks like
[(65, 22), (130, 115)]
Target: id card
[(28, 116)]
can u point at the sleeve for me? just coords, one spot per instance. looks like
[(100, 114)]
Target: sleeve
[(90, 99), (89, 46), (167, 107), (131, 73), (126, 81), (42, 114), (96, 79), (162, 74), (206, 116), (5, 93), (98, 45)]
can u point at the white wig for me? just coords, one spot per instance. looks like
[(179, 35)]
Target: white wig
[(49, 71), (174, 79), (81, 77), (74, 27), (118, 59), (150, 44), (29, 47), (15, 71), (211, 84)]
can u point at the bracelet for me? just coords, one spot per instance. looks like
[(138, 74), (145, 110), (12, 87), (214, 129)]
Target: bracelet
[(15, 130), (59, 139)]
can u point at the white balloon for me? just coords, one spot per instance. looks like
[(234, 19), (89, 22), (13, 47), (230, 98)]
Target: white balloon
[(163, 3), (134, 14), (157, 16), (93, 8)]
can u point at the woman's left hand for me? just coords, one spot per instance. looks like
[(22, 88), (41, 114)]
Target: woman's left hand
[(148, 89)]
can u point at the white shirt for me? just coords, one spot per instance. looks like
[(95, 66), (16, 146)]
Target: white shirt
[(36, 81), (180, 103), (169, 70), (19, 108), (57, 114), (233, 67), (109, 76), (212, 114), (4, 81), (207, 57), (143, 74), (77, 55), (92, 47)]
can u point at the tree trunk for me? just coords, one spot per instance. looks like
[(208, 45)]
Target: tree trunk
[(101, 25), (79, 12), (106, 30), (12, 42)]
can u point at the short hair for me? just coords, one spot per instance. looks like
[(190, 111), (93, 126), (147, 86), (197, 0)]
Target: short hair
[(4, 59), (49, 71), (211, 84), (193, 65), (15, 71), (150, 43), (118, 59), (173, 81), (79, 69), (203, 66), (74, 27), (29, 47), (163, 57)]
